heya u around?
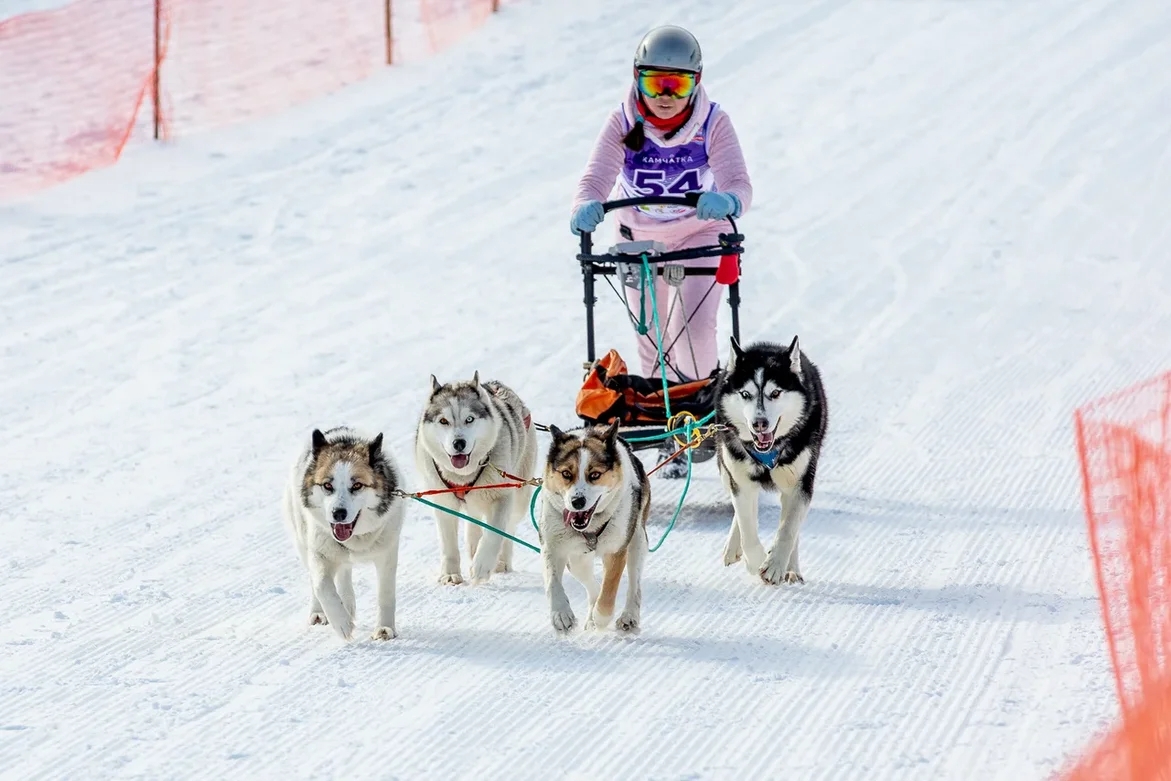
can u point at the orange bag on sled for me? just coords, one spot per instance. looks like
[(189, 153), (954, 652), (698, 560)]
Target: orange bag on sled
[(610, 392)]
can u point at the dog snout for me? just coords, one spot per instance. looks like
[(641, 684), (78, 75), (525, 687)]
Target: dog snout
[(339, 514), (760, 424), (459, 445), (577, 502)]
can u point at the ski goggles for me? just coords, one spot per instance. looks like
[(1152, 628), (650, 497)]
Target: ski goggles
[(655, 84)]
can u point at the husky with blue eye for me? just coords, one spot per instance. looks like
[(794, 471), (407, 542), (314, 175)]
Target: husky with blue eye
[(341, 506), (469, 432), (772, 409)]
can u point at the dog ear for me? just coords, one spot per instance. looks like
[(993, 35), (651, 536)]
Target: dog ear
[(318, 442), (376, 450), (795, 357), (556, 433), (435, 386), (735, 354), (611, 434), (476, 378)]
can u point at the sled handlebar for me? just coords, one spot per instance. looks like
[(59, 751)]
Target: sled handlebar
[(690, 199)]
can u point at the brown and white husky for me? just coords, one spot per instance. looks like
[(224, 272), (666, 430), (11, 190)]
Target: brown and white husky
[(595, 501)]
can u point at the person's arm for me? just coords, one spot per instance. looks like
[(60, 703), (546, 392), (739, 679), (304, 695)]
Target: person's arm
[(726, 160), (604, 164)]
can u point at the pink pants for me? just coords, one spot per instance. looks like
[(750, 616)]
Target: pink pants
[(684, 312)]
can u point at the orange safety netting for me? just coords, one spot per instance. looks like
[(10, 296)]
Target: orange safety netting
[(73, 80), (71, 83), (1124, 444), (1137, 749), (229, 60), (449, 20)]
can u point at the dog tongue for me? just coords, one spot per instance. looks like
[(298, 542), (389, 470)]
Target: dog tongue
[(343, 531), (578, 520), (460, 460)]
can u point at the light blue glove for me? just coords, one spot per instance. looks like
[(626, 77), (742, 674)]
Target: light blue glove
[(587, 217), (717, 206)]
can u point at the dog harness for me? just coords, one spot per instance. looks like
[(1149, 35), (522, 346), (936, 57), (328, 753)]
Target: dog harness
[(768, 458), (459, 489)]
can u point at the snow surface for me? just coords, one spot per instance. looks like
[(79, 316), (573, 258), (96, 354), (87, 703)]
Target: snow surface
[(961, 207)]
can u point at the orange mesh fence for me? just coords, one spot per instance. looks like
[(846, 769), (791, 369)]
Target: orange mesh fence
[(446, 21), (1124, 444), (1138, 749), (71, 83), (229, 60)]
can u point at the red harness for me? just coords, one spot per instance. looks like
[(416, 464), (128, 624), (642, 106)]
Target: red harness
[(460, 489)]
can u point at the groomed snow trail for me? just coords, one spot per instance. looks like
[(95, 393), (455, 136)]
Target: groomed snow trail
[(962, 208)]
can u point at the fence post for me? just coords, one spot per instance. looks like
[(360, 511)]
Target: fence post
[(389, 34), (155, 98)]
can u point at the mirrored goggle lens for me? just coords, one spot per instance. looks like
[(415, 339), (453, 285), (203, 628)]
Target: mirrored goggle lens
[(656, 83)]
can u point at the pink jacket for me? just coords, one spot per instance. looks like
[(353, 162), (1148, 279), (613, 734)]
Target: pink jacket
[(725, 159)]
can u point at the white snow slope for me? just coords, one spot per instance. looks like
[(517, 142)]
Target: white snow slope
[(961, 207)]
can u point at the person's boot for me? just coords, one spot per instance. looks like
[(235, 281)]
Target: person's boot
[(677, 468)]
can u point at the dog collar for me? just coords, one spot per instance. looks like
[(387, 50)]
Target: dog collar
[(591, 538)]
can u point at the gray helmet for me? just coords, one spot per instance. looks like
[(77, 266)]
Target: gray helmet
[(671, 48)]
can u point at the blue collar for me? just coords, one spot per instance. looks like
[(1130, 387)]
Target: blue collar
[(768, 458)]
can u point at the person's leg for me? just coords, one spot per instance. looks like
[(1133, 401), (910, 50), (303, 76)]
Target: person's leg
[(690, 335), (648, 354)]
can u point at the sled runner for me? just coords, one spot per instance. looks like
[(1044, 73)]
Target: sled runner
[(609, 391)]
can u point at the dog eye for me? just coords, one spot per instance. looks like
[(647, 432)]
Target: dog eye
[(594, 476), (567, 474), (745, 395), (327, 486), (469, 420), (775, 394), (356, 487), (444, 422)]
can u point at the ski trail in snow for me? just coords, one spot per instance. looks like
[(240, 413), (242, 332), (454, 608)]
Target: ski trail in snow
[(959, 207)]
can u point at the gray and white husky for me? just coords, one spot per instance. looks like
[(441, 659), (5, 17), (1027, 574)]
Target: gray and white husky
[(341, 508), (595, 501), (773, 409), (468, 434)]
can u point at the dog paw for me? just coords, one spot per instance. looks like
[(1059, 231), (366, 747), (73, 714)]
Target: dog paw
[(773, 573), (384, 633), (316, 619), (503, 566), (732, 555), (344, 629), (627, 622), (450, 579), (563, 620), (755, 560), (480, 574), (600, 620)]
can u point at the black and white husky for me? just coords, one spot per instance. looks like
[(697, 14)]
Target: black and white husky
[(341, 506), (772, 406), (468, 432)]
